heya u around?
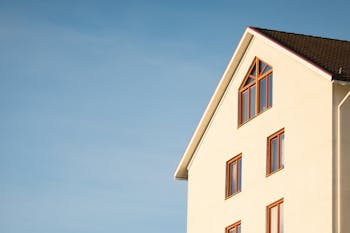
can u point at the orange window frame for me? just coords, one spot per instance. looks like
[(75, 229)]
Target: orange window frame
[(259, 76), (277, 135), (228, 176), (233, 226), (268, 219)]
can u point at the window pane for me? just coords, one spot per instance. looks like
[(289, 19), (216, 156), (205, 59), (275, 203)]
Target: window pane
[(233, 230), (261, 67), (270, 90), (239, 175), (262, 94), (274, 219), (274, 154), (233, 175), (253, 71), (250, 79), (244, 106), (281, 218), (252, 100), (267, 69), (282, 150), (239, 228)]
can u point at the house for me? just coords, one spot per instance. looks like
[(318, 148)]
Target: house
[(271, 152)]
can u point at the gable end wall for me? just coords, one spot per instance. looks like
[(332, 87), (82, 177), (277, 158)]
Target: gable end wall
[(302, 104)]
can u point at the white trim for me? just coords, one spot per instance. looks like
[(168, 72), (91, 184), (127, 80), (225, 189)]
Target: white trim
[(180, 173), (249, 33), (292, 54), (339, 151), (341, 82)]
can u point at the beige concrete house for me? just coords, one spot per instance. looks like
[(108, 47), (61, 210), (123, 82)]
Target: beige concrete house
[(271, 153)]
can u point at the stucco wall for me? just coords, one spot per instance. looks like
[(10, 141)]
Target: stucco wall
[(302, 104)]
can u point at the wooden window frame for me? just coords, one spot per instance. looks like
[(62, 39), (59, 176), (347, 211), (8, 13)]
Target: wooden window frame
[(256, 82), (277, 135), (232, 226), (228, 193), (268, 215)]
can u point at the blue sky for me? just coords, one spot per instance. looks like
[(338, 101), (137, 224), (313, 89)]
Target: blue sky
[(98, 100)]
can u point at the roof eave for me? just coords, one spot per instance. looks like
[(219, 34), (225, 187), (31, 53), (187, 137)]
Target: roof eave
[(181, 172), (304, 60), (341, 78)]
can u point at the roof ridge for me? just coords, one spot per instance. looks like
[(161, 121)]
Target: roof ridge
[(297, 34)]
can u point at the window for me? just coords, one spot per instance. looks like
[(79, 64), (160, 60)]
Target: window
[(255, 93), (275, 152), (275, 222), (234, 228), (233, 175)]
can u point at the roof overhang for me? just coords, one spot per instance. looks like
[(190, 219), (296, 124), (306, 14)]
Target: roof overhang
[(181, 172)]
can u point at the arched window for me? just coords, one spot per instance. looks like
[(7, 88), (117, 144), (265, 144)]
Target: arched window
[(255, 93)]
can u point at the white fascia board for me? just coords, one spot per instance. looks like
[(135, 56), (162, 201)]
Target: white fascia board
[(291, 53), (188, 156), (182, 168)]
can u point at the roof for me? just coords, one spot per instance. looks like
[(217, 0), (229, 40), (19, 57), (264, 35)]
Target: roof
[(328, 57), (329, 54)]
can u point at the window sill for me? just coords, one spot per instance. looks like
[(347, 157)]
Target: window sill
[(271, 173), (234, 194)]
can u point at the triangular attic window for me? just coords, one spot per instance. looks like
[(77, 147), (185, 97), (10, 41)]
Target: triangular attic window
[(255, 91)]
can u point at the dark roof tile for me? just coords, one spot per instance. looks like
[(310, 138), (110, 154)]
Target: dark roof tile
[(331, 55)]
